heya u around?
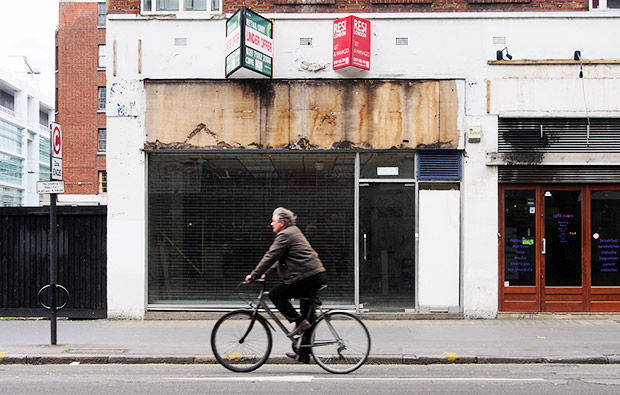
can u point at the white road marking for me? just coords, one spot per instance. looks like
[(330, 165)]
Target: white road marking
[(308, 379), (263, 379), (487, 379)]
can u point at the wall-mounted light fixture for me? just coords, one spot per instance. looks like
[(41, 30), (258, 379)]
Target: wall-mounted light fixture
[(500, 54), (577, 56)]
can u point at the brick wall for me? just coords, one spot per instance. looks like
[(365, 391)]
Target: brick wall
[(361, 6), (78, 78)]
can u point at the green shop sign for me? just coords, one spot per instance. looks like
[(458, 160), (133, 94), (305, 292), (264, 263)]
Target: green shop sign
[(249, 44)]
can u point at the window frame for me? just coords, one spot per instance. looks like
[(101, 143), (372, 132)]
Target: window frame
[(102, 17), (102, 181), (602, 5), (151, 8), (101, 98), (102, 140), (101, 55)]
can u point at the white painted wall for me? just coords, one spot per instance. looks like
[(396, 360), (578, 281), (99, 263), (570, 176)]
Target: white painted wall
[(439, 271), (441, 46)]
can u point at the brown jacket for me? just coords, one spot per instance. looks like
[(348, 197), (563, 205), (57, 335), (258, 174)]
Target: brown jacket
[(292, 255)]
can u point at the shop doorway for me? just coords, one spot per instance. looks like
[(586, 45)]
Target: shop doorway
[(387, 246), (559, 248)]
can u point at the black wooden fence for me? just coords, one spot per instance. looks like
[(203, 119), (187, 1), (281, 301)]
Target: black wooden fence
[(24, 260)]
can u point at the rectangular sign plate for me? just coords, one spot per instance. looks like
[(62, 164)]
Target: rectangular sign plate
[(47, 187), (56, 169)]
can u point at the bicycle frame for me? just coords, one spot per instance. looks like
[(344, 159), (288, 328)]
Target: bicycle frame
[(260, 303)]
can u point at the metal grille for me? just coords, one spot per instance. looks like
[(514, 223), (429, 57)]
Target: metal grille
[(209, 218), (439, 165), (559, 135), (558, 174)]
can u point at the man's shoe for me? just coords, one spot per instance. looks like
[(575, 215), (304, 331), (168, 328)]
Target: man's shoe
[(303, 358), (302, 326)]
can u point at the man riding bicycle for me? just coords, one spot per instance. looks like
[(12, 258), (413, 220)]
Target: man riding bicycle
[(300, 268)]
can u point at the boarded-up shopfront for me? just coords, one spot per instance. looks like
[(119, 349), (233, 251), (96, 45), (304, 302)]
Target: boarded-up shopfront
[(353, 159)]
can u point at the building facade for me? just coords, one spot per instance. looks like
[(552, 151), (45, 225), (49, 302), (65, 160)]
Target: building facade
[(471, 168), (81, 100), (25, 117)]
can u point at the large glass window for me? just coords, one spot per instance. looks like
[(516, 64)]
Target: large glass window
[(10, 197), (11, 169), (209, 219), (10, 137), (605, 238), (375, 165), (519, 237)]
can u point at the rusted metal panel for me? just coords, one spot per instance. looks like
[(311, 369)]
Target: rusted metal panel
[(325, 114), (448, 124)]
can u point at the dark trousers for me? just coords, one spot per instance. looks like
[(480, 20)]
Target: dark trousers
[(281, 294)]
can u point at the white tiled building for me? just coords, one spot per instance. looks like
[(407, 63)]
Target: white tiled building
[(25, 116), (521, 107)]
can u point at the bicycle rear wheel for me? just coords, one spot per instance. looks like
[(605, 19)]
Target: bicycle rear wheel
[(340, 342), (238, 347)]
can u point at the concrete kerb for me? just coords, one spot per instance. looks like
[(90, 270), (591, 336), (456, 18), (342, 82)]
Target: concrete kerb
[(27, 359)]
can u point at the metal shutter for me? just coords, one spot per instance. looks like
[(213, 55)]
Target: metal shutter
[(209, 215), (559, 174), (559, 135), (439, 165)]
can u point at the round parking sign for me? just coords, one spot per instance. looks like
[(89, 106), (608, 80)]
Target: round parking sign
[(56, 142)]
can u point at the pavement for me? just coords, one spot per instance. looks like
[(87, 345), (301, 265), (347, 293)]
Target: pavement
[(398, 341)]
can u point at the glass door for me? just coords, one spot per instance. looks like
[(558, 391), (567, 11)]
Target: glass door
[(518, 235), (387, 246), (562, 247)]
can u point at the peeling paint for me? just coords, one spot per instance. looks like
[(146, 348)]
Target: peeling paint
[(303, 114), (199, 128), (437, 145)]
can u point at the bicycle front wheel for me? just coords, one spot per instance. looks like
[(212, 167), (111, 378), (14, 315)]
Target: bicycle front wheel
[(238, 343), (340, 342)]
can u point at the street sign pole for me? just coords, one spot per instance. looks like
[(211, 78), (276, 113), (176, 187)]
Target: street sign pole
[(56, 174), (53, 249), (53, 187)]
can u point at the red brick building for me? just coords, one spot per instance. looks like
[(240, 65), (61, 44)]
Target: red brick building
[(369, 6), (80, 95)]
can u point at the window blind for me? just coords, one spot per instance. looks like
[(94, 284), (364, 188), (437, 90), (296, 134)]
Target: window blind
[(209, 216)]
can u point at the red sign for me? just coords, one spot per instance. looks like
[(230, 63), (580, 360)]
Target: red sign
[(56, 142), (351, 43)]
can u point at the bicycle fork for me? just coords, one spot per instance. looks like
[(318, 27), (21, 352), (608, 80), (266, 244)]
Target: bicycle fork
[(341, 345)]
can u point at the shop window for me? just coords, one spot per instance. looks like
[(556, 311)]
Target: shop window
[(208, 218), (605, 250)]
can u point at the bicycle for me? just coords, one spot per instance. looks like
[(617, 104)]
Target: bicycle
[(241, 340)]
